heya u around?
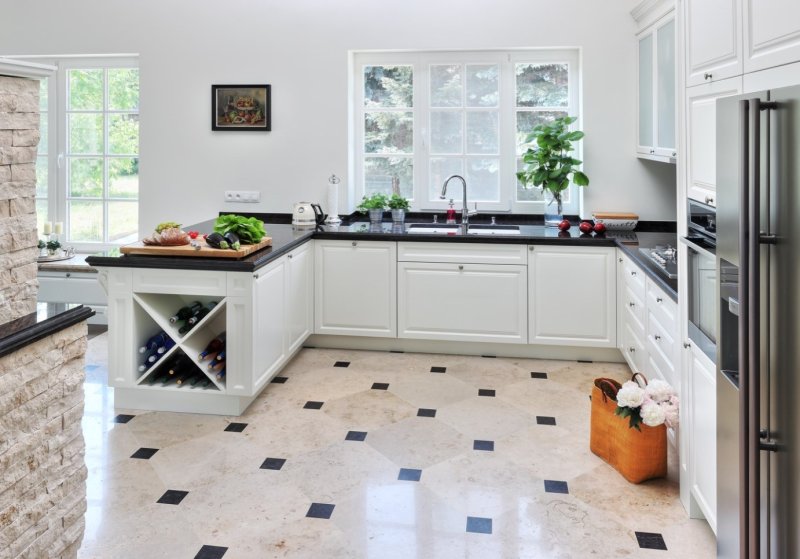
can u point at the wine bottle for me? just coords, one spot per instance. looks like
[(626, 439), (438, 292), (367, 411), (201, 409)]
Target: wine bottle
[(197, 317), (214, 346), (166, 346), (216, 365), (154, 341), (185, 328), (177, 364), (204, 382), (149, 359), (156, 377), (221, 375), (220, 356), (185, 312)]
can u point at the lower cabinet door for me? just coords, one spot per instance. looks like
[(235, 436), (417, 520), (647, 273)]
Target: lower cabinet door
[(703, 426), (462, 302), (299, 296), (573, 296)]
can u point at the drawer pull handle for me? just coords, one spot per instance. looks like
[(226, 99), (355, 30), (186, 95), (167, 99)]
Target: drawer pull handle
[(632, 349), (461, 267), (355, 243), (631, 304), (686, 345), (633, 272), (69, 275), (659, 299), (530, 248), (707, 76), (657, 337), (290, 256), (620, 260)]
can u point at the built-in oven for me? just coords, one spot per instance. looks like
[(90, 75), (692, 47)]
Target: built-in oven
[(702, 297)]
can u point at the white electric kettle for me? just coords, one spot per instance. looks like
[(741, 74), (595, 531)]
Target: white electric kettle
[(307, 214)]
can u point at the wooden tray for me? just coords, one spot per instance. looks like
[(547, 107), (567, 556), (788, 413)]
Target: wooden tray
[(204, 251)]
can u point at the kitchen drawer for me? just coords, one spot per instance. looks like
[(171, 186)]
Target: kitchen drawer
[(462, 253), (664, 308), (662, 340), (194, 282), (633, 349), (633, 276), (658, 368), (635, 313), (70, 287)]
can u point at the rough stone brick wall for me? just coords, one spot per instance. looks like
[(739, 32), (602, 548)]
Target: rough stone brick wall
[(19, 138), (42, 468)]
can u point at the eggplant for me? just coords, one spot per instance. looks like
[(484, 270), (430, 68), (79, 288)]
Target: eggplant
[(215, 240), (233, 240)]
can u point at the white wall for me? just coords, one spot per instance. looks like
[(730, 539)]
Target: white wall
[(300, 47)]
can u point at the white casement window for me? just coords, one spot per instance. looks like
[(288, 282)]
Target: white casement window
[(420, 117), (87, 173)]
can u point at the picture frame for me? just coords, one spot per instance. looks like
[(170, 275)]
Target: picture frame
[(241, 108)]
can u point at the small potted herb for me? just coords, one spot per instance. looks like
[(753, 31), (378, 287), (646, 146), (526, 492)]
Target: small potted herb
[(41, 245), (374, 205), (399, 206), (52, 247)]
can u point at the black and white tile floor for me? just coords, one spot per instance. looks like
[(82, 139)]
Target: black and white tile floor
[(352, 454)]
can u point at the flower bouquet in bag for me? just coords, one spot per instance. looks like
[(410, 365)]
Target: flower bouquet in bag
[(628, 425)]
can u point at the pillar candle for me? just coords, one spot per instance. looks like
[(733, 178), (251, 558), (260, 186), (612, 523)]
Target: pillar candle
[(58, 228), (47, 228)]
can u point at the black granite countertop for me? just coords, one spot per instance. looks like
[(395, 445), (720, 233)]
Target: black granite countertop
[(48, 319), (286, 237)]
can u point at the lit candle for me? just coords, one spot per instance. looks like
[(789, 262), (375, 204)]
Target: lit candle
[(58, 228), (48, 228)]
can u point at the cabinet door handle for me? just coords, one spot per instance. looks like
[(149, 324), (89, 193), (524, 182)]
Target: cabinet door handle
[(707, 76), (632, 349), (631, 304), (355, 243), (620, 260), (69, 275), (659, 299), (461, 267), (530, 248), (290, 256), (633, 272), (709, 200), (686, 345), (652, 151), (657, 337)]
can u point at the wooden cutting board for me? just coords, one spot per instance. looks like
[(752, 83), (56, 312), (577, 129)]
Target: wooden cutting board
[(204, 251)]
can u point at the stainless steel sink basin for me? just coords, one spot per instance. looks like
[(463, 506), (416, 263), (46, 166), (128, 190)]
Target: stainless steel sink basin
[(448, 229)]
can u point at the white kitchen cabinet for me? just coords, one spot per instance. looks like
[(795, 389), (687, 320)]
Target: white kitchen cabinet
[(299, 295), (771, 33), (572, 296), (74, 287), (701, 137), (462, 302), (355, 288), (713, 31), (702, 425), (657, 85)]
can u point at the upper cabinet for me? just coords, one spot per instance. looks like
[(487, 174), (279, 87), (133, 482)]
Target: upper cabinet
[(657, 102), (771, 33), (726, 38), (713, 40)]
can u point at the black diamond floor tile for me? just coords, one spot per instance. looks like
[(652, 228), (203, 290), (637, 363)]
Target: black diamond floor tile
[(438, 369), (123, 418), (489, 356), (479, 525), (211, 552), (279, 380), (424, 412), (585, 361), (313, 405), (172, 497), (356, 436), (320, 510), (483, 445), (545, 420), (236, 427), (396, 351), (380, 386), (538, 375), (409, 474), (486, 392), (144, 453), (554, 486), (650, 540), (273, 463), (342, 364)]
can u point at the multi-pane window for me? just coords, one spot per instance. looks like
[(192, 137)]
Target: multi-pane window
[(421, 117), (102, 155)]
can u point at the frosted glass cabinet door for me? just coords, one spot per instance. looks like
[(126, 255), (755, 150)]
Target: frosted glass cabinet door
[(665, 89), (646, 99)]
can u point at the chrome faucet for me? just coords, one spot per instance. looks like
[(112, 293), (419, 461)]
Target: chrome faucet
[(465, 212)]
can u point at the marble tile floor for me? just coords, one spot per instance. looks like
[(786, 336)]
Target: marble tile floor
[(410, 456)]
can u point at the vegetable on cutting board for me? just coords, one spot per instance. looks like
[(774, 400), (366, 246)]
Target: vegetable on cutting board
[(249, 230), (215, 240)]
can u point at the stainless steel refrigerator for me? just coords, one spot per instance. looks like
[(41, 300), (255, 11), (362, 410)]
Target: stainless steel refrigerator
[(758, 346)]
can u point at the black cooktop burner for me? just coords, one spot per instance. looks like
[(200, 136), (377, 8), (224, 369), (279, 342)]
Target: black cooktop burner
[(665, 258)]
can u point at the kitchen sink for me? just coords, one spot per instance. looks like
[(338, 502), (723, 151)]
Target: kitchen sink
[(450, 229)]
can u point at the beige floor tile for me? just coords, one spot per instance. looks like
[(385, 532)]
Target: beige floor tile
[(369, 410), (418, 442)]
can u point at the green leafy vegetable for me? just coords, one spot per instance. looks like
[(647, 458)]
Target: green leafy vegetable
[(250, 230)]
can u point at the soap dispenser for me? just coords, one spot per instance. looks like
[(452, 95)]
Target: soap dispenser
[(451, 213)]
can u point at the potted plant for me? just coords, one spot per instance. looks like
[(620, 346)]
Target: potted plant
[(548, 164), (52, 247), (374, 205), (41, 245), (399, 206)]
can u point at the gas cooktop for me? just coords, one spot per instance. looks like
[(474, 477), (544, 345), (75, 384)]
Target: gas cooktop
[(665, 258)]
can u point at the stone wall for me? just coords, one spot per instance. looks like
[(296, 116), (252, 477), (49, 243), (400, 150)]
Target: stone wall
[(19, 138), (42, 468)]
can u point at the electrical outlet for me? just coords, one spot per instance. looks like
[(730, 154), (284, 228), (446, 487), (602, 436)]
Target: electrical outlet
[(243, 196)]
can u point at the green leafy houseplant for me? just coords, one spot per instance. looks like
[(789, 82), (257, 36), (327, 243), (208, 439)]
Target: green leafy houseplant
[(377, 201), (548, 163), (397, 202)]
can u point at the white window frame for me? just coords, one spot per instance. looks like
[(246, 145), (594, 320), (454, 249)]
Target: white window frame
[(421, 61), (57, 138)]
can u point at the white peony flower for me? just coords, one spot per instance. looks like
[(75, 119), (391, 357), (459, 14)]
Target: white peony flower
[(659, 391), (630, 395), (652, 414), (671, 412)]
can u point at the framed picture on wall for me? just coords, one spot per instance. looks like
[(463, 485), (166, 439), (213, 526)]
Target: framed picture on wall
[(241, 107)]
